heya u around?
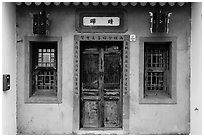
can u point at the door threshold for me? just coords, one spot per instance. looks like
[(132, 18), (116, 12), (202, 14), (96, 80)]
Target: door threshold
[(104, 131), (100, 129)]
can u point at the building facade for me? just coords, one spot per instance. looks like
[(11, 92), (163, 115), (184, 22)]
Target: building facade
[(103, 68)]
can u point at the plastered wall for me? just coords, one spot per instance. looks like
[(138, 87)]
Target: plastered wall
[(9, 67), (161, 118), (144, 118), (196, 70), (47, 118)]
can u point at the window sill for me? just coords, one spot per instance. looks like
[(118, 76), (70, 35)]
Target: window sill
[(162, 99), (47, 99)]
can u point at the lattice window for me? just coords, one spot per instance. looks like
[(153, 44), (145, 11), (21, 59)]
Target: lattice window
[(156, 69), (44, 70), (46, 58), (46, 80)]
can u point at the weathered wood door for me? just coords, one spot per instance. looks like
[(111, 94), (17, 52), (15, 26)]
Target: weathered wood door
[(101, 84)]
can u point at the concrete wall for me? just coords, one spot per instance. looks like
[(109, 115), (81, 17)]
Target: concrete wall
[(47, 118), (144, 118), (9, 67), (161, 118), (196, 70)]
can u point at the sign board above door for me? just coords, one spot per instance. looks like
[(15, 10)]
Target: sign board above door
[(101, 20)]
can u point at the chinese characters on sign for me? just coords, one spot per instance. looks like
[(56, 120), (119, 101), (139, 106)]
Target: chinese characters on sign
[(101, 21)]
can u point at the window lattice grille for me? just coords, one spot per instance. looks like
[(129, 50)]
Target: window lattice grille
[(156, 57), (46, 58), (155, 81), (45, 73), (46, 80), (156, 67)]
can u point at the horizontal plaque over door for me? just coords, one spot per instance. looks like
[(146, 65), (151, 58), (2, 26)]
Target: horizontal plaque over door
[(101, 20)]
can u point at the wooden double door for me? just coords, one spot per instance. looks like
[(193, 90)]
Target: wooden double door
[(101, 84)]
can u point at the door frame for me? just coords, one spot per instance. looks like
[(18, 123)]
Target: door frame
[(76, 83), (102, 98)]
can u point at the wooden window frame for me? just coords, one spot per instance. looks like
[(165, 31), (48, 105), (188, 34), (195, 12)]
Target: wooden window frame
[(28, 77), (172, 71), (76, 84)]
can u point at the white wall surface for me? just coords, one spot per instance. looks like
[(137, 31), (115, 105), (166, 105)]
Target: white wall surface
[(144, 118), (196, 71), (161, 118), (9, 67)]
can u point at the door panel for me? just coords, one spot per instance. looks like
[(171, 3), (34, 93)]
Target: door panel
[(90, 113), (112, 87), (112, 68), (90, 88), (101, 85), (90, 71), (111, 115)]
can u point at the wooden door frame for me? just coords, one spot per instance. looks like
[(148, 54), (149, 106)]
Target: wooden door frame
[(76, 83)]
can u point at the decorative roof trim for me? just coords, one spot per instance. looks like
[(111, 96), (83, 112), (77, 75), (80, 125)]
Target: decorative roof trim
[(103, 3)]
